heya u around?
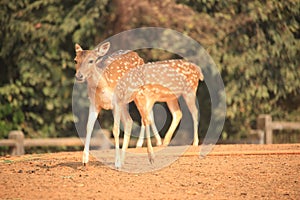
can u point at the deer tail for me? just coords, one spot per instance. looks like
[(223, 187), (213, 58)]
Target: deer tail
[(200, 74)]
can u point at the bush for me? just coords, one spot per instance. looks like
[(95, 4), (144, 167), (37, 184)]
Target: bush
[(37, 51)]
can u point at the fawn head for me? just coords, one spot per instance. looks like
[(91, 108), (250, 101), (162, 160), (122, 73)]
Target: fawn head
[(85, 60)]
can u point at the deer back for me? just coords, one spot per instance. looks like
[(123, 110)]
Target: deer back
[(178, 79), (190, 71), (116, 65)]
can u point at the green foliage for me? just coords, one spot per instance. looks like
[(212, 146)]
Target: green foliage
[(36, 57), (255, 44), (259, 61), (257, 51)]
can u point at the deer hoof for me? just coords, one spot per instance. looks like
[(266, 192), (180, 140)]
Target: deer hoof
[(166, 143), (139, 143), (85, 158), (158, 142), (151, 158), (118, 164), (195, 143)]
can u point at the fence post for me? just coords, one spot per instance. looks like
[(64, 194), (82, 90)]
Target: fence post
[(18, 136), (261, 135), (264, 122)]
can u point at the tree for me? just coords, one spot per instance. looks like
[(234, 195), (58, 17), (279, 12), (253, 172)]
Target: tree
[(255, 44), (37, 51), (259, 60)]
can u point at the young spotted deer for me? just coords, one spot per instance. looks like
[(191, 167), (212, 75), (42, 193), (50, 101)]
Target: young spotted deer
[(162, 81), (193, 74)]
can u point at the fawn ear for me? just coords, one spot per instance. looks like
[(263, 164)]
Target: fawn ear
[(103, 49), (77, 48)]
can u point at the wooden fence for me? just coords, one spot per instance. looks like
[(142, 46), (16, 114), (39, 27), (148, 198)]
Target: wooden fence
[(17, 142), (265, 123)]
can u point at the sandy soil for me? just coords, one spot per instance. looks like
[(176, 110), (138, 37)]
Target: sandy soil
[(228, 172)]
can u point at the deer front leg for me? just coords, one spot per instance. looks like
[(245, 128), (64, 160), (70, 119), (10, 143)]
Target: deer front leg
[(93, 114), (127, 121), (116, 133)]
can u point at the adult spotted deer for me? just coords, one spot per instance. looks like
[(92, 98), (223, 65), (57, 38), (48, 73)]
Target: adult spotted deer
[(102, 73), (102, 85), (162, 81)]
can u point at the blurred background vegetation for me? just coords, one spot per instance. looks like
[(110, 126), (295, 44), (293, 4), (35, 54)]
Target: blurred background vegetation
[(254, 43)]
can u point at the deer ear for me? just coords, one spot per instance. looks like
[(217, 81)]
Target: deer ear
[(78, 48), (103, 49)]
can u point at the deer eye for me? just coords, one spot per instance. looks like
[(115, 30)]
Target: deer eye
[(91, 61)]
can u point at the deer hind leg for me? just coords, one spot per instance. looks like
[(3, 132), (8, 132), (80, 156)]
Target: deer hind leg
[(116, 133), (93, 114), (127, 121), (176, 117), (190, 100)]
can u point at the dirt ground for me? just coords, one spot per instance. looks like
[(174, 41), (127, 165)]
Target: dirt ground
[(228, 172)]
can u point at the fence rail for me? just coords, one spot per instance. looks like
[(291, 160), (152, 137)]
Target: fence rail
[(17, 142), (265, 123)]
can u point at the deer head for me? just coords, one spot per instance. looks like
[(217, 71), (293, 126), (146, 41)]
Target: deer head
[(85, 60)]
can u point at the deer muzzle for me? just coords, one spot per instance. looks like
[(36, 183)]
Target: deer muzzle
[(79, 77)]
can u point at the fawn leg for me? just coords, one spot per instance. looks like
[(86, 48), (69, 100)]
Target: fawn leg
[(148, 122), (93, 114), (176, 117), (144, 105), (141, 136), (190, 99), (149, 145), (155, 132), (154, 129)]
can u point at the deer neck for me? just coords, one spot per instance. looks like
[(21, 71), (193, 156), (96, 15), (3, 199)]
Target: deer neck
[(97, 80), (99, 90)]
